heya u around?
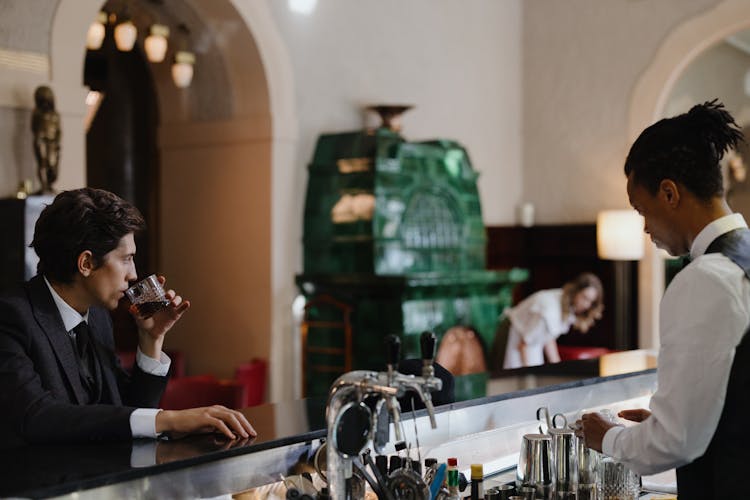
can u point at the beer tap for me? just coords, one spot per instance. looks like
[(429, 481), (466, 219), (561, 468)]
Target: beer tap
[(427, 343), (427, 383), (350, 422)]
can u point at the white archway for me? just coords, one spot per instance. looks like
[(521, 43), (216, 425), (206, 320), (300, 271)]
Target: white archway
[(647, 104), (285, 243)]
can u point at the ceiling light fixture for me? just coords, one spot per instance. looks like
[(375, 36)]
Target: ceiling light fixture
[(156, 43), (95, 34), (182, 69), (125, 35)]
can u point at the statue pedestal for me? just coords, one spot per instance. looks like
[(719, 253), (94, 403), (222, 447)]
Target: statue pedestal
[(17, 220)]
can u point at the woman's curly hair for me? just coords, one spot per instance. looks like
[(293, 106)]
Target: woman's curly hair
[(585, 320)]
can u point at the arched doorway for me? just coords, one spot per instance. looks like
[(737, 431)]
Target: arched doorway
[(224, 144), (647, 104)]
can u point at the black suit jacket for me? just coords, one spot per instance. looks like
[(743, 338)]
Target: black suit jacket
[(41, 396)]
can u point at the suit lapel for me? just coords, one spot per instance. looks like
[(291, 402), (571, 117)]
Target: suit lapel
[(48, 318)]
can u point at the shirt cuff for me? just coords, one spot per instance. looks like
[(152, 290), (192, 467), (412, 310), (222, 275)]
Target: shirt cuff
[(143, 422), (158, 367), (608, 442)]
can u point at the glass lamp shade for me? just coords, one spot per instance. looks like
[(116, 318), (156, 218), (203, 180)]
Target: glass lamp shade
[(182, 69), (619, 235), (125, 35), (95, 34), (156, 43)]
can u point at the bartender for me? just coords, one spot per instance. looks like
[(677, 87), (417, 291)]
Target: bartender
[(696, 422)]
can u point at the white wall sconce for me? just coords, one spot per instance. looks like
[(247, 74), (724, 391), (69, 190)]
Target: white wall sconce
[(302, 6)]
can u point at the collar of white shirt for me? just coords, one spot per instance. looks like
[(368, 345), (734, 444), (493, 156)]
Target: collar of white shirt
[(71, 318), (713, 230)]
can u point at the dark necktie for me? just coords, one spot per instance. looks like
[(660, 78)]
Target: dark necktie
[(86, 361)]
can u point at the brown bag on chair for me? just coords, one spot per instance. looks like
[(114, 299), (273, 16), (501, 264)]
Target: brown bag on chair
[(461, 352)]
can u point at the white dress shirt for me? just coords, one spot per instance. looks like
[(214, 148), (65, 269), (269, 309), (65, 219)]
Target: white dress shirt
[(704, 314), (536, 321), (142, 420)]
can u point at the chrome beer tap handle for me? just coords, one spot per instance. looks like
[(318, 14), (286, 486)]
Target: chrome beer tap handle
[(427, 343), (395, 409), (392, 355)]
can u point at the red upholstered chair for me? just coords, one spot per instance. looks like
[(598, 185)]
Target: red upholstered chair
[(569, 352), (127, 359), (177, 369), (253, 376), (202, 390)]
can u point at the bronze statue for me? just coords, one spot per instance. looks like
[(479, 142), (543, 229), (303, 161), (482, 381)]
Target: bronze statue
[(45, 124)]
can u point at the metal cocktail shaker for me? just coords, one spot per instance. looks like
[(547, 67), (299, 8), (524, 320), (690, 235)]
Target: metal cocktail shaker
[(535, 464), (564, 461)]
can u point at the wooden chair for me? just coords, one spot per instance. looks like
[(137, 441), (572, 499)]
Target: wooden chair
[(326, 339)]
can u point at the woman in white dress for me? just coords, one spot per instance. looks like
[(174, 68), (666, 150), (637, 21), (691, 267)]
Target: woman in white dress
[(537, 321)]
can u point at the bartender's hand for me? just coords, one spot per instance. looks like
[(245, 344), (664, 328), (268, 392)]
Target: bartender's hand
[(635, 415), (216, 418), (592, 429)]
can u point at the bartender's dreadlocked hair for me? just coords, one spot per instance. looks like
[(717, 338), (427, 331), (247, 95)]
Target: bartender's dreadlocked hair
[(687, 149)]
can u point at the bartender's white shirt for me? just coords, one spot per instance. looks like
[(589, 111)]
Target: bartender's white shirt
[(704, 314), (142, 420)]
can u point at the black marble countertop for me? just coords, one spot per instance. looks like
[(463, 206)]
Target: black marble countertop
[(40, 471)]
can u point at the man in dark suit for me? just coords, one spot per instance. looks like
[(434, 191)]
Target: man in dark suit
[(60, 379)]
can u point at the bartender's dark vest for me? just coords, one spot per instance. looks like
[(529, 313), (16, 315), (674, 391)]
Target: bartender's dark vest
[(720, 472)]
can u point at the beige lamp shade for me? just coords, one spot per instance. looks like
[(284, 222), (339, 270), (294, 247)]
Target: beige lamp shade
[(125, 35), (156, 43), (619, 235), (95, 34), (182, 69)]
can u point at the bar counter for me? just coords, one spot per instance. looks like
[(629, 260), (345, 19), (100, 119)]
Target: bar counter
[(486, 430)]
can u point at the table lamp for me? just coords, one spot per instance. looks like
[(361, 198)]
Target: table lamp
[(619, 238)]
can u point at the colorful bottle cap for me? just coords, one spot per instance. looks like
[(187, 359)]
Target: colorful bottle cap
[(477, 471)]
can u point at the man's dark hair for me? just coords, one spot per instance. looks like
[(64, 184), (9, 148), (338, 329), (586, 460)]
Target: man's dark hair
[(687, 149), (79, 220)]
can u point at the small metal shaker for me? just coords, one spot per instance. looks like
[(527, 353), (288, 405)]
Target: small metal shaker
[(564, 461), (535, 464)]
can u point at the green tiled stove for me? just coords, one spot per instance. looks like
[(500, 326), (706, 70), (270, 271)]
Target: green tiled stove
[(393, 244)]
